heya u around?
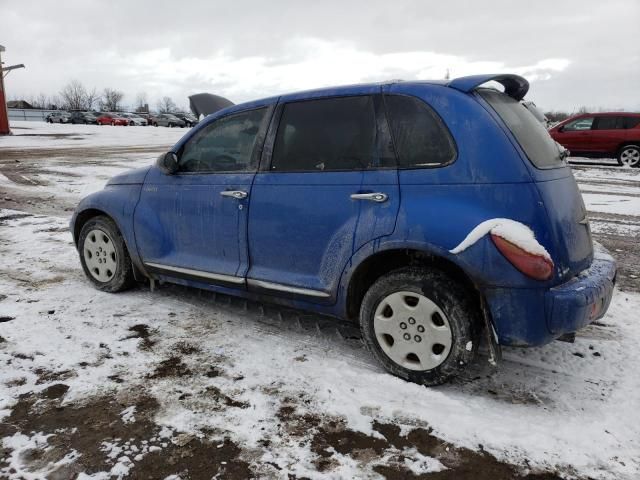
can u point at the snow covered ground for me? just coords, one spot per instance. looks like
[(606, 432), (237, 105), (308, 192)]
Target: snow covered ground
[(186, 384)]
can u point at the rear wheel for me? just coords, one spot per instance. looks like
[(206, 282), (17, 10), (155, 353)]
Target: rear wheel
[(629, 156), (155, 124), (420, 324), (104, 256)]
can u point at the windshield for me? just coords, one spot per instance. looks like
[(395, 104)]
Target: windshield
[(529, 132)]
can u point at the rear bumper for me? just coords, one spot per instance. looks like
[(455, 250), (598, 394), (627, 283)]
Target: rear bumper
[(530, 317), (584, 298)]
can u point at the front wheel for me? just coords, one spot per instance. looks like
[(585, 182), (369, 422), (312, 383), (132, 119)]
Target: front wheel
[(629, 156), (420, 324), (104, 256)]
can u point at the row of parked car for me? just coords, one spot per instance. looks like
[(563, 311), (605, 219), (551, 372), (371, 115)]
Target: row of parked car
[(179, 119)]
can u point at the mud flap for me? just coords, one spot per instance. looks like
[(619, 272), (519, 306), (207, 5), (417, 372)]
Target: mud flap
[(495, 350)]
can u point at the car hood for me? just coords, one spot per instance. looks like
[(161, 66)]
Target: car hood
[(130, 177)]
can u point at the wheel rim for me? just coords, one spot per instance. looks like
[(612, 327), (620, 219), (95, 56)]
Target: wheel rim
[(630, 157), (412, 331), (100, 255)]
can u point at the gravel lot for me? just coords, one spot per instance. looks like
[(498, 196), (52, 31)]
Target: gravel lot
[(180, 383)]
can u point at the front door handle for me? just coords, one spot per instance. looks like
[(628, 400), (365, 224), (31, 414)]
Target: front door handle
[(378, 197), (237, 194)]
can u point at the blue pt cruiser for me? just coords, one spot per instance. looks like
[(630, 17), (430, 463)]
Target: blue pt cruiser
[(429, 212)]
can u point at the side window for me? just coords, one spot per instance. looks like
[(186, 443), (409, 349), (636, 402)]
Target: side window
[(225, 145), (608, 123), (579, 125), (330, 134), (421, 138)]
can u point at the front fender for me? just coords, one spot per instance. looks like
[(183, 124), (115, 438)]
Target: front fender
[(116, 201)]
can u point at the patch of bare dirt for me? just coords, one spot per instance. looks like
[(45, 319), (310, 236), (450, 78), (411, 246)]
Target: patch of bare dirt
[(10, 155), (330, 436), (85, 427), (171, 367), (142, 331), (626, 251)]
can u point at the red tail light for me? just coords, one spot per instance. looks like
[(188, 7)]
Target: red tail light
[(534, 266)]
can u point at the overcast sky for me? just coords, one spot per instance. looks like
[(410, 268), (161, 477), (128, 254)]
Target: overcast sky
[(574, 52)]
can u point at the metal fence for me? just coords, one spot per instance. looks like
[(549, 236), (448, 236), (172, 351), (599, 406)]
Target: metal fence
[(33, 114)]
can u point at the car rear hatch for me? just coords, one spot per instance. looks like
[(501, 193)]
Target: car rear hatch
[(572, 246)]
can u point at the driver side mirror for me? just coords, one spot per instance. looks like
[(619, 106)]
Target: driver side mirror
[(168, 163)]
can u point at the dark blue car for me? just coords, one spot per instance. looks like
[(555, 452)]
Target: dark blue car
[(429, 212)]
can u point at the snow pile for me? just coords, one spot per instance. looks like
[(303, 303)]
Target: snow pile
[(510, 230)]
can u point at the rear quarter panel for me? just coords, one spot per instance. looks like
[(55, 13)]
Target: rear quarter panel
[(488, 179)]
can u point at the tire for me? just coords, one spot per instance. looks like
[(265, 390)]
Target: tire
[(629, 156), (436, 345), (115, 272), (155, 124), (170, 125)]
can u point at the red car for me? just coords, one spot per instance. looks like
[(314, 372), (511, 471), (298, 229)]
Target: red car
[(612, 135), (111, 119)]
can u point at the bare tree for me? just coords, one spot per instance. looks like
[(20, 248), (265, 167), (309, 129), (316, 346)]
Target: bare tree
[(42, 101), (142, 104), (74, 96), (55, 102), (111, 98), (92, 99), (166, 105)]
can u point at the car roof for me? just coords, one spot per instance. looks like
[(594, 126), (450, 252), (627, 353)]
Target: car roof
[(515, 86), (602, 114), (617, 114)]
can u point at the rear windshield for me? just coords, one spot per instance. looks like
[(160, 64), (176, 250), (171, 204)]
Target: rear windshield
[(529, 132)]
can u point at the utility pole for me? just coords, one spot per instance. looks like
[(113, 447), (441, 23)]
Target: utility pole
[(4, 114)]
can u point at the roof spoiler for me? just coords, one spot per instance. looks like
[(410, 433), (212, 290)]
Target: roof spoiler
[(514, 85), (207, 103)]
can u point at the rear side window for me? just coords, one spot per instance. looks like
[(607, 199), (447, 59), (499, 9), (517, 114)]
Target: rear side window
[(330, 134), (420, 136), (608, 123), (631, 122), (528, 131)]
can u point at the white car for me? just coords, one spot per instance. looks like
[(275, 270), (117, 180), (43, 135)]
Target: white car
[(134, 119)]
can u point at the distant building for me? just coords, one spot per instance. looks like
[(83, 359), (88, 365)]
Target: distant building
[(18, 104)]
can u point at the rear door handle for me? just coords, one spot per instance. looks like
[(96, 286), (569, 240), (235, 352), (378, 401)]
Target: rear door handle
[(378, 197), (237, 194)]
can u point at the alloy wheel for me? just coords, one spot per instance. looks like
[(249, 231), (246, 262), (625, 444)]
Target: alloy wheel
[(630, 157)]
